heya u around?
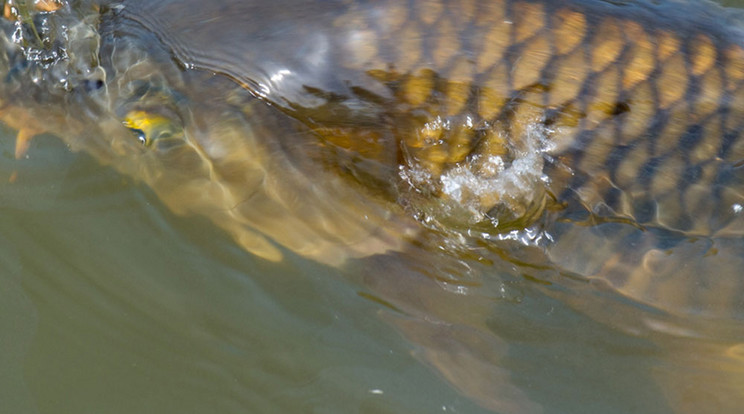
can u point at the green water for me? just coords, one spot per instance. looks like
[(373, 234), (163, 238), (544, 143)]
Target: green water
[(109, 303)]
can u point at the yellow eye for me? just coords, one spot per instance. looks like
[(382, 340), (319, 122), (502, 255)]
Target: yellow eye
[(150, 127)]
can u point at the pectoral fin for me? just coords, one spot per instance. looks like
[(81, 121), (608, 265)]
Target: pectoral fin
[(23, 141), (469, 360), (441, 304), (704, 379)]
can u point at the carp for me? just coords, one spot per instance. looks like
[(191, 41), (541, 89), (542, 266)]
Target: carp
[(587, 144)]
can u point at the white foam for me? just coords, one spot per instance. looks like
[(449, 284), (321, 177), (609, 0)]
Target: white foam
[(470, 189)]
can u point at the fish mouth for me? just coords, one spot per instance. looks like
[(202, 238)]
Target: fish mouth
[(49, 62), (52, 48), (66, 70)]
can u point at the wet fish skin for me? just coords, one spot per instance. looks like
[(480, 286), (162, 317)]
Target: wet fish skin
[(436, 86), (641, 106), (634, 109)]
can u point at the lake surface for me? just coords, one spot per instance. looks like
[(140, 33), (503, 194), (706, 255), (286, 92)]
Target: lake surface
[(110, 303)]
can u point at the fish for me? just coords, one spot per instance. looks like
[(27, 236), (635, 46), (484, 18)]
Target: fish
[(589, 144), (638, 110)]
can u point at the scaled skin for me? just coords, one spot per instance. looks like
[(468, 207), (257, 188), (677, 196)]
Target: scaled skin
[(344, 130)]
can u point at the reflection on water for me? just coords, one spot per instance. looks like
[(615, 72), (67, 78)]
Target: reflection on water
[(111, 303)]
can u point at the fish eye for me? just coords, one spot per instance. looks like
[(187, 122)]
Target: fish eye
[(136, 122), (150, 127), (140, 134)]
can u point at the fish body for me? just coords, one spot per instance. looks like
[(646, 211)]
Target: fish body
[(591, 145), (634, 107), (469, 113)]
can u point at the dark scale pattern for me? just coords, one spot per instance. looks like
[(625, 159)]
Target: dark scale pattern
[(651, 108), (641, 105)]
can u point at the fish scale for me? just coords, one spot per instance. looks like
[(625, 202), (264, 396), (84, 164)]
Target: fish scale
[(636, 114), (651, 111), (571, 146)]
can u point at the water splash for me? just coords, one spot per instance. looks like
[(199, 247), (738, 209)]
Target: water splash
[(487, 193)]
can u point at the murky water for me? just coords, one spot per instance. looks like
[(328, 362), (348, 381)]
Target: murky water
[(110, 303)]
